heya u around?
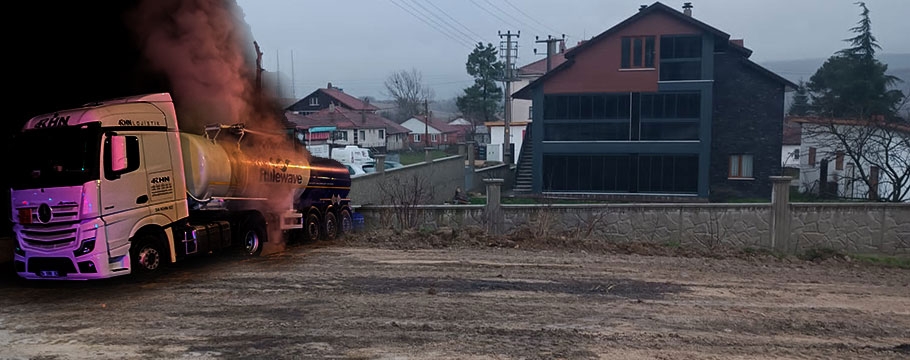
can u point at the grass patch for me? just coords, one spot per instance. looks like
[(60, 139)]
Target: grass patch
[(902, 262), (820, 254)]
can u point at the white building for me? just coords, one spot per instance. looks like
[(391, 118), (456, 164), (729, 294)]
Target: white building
[(497, 135), (883, 151)]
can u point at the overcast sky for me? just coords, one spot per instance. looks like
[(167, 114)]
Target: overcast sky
[(356, 44)]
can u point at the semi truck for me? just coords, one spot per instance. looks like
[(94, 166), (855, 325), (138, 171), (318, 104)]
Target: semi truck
[(116, 188)]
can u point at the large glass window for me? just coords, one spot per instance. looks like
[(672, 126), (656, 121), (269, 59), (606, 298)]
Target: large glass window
[(584, 107), (680, 57), (668, 173), (621, 173), (587, 131)]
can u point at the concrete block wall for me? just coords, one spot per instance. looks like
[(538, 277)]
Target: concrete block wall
[(438, 179)]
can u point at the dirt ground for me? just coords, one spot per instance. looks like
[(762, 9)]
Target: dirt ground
[(442, 296)]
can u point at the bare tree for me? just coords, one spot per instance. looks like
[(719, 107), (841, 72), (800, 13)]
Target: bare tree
[(878, 152), (406, 87)]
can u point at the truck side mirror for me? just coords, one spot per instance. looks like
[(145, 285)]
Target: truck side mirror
[(118, 153), (121, 155)]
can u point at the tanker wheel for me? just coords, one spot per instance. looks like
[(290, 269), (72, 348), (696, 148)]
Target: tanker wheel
[(252, 237), (331, 226), (312, 227), (146, 255), (347, 222)]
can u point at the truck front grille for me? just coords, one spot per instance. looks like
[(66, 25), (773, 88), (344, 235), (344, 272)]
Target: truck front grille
[(48, 237)]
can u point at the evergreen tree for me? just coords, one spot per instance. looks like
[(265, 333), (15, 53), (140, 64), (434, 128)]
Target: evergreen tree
[(481, 100), (852, 83), (800, 105)]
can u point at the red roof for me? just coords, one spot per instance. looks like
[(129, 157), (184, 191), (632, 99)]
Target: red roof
[(346, 119), (442, 126), (348, 101), (539, 67), (792, 132), (877, 121)]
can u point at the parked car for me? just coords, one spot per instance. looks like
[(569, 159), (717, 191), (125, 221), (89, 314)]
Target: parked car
[(370, 166), (357, 170)]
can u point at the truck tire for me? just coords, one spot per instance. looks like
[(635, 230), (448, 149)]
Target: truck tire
[(347, 222), (331, 226), (146, 255), (313, 227), (252, 237)]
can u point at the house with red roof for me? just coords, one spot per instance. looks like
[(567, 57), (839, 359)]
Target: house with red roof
[(322, 98), (339, 126), (433, 133)]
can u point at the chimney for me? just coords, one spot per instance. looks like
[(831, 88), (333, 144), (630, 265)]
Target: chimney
[(738, 42), (562, 46), (642, 7), (331, 105), (329, 86), (687, 9)]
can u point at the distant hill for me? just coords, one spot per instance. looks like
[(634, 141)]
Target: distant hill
[(803, 69)]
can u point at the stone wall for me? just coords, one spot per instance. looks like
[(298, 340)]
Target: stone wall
[(435, 182), (873, 228)]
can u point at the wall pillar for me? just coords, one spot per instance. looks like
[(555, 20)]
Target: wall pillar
[(493, 210), (780, 214), (469, 167), (380, 163)]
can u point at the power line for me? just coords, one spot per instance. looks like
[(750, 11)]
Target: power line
[(444, 21), (441, 31), (453, 19), (509, 14), (529, 16), (438, 26), (493, 14)]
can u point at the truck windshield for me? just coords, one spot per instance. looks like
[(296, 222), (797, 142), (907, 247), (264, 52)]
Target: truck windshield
[(63, 156)]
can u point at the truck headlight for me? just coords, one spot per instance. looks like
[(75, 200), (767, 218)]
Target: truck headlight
[(87, 246)]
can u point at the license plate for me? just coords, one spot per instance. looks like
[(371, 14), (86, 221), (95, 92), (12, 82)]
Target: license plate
[(48, 273)]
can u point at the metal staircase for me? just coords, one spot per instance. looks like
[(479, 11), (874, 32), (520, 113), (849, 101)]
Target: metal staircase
[(524, 172)]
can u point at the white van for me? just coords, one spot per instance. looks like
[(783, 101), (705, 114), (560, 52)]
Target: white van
[(352, 154)]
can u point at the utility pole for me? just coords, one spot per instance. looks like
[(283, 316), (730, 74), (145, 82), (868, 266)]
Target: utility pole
[(508, 77), (426, 123), (551, 47), (258, 67)]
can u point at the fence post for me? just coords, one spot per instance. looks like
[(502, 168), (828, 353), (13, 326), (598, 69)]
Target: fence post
[(780, 213), (469, 167), (380, 163), (493, 210)]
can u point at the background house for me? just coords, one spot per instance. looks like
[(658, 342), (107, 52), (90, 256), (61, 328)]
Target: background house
[(497, 135), (433, 133), (322, 98), (660, 104), (842, 157), (361, 128)]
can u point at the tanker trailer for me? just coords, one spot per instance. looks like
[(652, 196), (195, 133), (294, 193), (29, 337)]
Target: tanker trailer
[(115, 188)]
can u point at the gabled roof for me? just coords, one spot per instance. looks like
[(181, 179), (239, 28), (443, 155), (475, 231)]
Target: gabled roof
[(345, 119), (348, 101), (440, 125), (720, 38), (878, 122), (341, 98)]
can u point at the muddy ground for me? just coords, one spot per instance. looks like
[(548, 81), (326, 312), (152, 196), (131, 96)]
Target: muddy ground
[(446, 296)]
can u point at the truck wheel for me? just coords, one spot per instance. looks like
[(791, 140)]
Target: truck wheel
[(347, 222), (146, 256), (252, 237), (313, 226), (331, 226)]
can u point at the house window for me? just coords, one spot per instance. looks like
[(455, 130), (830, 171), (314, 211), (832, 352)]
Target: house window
[(530, 112), (795, 154), (416, 138), (363, 135), (812, 156), (381, 134), (680, 57), (740, 167), (637, 52), (340, 135), (839, 160), (434, 138), (314, 101), (445, 138)]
